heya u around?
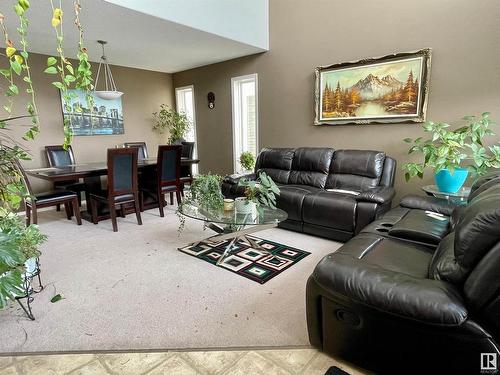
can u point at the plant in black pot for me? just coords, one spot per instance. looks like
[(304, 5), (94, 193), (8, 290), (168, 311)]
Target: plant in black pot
[(454, 153), (177, 124)]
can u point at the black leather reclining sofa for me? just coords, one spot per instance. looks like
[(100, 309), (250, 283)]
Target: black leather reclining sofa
[(304, 176), (422, 298)]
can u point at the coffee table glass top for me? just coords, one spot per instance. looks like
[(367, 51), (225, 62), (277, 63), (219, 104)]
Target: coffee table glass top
[(265, 216), (462, 194)]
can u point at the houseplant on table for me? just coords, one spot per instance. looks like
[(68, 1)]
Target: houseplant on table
[(247, 161), (168, 119), (259, 192), (454, 153), (205, 193)]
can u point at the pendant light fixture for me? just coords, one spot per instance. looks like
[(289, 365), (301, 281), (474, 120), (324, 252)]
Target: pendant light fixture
[(111, 92)]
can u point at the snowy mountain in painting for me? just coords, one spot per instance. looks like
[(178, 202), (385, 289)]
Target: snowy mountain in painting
[(373, 87)]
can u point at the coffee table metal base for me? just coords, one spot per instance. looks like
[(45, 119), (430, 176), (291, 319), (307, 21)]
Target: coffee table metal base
[(224, 233)]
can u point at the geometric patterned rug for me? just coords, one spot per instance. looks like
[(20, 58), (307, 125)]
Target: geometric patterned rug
[(248, 262)]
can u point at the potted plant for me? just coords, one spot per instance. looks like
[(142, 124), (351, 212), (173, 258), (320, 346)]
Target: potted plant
[(177, 124), (453, 153), (205, 193), (19, 243), (25, 239), (247, 161), (259, 192)]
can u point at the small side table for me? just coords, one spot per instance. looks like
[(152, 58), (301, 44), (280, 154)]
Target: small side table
[(460, 197)]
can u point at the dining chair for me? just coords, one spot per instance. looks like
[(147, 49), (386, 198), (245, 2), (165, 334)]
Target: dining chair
[(141, 146), (60, 157), (168, 173), (32, 202), (187, 170), (122, 186)]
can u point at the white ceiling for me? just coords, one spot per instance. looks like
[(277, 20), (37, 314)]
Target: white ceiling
[(140, 40)]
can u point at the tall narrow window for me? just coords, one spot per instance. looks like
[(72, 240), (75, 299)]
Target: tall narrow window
[(185, 104), (245, 117)]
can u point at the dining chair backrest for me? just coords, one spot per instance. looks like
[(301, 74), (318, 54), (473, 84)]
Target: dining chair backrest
[(187, 150), (122, 171), (169, 165), (17, 168), (59, 157), (141, 146)]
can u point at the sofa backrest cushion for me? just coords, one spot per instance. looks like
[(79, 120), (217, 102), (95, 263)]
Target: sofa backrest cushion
[(478, 229), (355, 169), (484, 183), (276, 162), (310, 166), (444, 266)]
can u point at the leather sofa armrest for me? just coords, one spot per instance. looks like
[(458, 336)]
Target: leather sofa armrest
[(433, 204), (235, 179), (379, 194), (426, 300)]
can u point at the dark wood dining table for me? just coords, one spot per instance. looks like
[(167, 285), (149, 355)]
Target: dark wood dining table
[(91, 174)]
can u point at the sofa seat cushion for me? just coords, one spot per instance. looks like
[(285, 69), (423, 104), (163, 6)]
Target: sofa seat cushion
[(291, 199), (391, 254), (390, 276), (331, 209)]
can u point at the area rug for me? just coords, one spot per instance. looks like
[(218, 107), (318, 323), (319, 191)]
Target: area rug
[(248, 262)]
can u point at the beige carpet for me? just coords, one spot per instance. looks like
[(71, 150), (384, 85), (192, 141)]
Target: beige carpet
[(134, 290)]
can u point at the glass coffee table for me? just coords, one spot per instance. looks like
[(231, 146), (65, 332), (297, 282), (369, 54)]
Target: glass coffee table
[(234, 226)]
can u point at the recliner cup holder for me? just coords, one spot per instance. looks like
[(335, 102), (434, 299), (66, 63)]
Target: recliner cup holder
[(388, 225), (383, 230)]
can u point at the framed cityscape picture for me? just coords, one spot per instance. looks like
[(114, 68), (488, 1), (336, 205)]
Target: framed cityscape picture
[(104, 118), (388, 89)]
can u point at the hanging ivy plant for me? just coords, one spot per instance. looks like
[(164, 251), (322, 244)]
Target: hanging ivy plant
[(61, 66)]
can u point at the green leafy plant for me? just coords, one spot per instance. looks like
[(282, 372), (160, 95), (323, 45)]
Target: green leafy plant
[(262, 191), (247, 160), (450, 149), (168, 119), (19, 68), (68, 78), (17, 241), (205, 192)]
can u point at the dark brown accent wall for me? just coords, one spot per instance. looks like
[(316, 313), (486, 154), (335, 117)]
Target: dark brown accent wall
[(465, 74)]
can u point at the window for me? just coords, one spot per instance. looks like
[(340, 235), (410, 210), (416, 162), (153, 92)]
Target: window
[(184, 97), (245, 117)]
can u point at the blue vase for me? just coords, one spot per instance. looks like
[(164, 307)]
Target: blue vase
[(450, 183)]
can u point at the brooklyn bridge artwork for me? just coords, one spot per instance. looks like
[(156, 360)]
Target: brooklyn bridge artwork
[(393, 90), (104, 118)]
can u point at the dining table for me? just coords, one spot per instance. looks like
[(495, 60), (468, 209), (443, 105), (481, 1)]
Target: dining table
[(91, 174)]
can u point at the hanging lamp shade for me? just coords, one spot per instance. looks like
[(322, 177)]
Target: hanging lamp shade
[(110, 92)]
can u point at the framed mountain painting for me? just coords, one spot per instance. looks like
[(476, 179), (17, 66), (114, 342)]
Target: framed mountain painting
[(389, 89)]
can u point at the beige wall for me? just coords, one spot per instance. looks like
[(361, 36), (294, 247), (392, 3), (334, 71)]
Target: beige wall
[(144, 91), (465, 73)]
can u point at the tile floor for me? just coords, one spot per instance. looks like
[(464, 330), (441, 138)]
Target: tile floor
[(244, 362)]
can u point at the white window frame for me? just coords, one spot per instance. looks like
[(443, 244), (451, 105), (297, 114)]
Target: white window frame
[(178, 91), (236, 121)]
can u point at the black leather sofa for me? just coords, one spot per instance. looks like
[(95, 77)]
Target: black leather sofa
[(425, 299), (305, 176)]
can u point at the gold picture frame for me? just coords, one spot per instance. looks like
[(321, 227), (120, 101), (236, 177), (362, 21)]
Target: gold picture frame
[(380, 90)]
